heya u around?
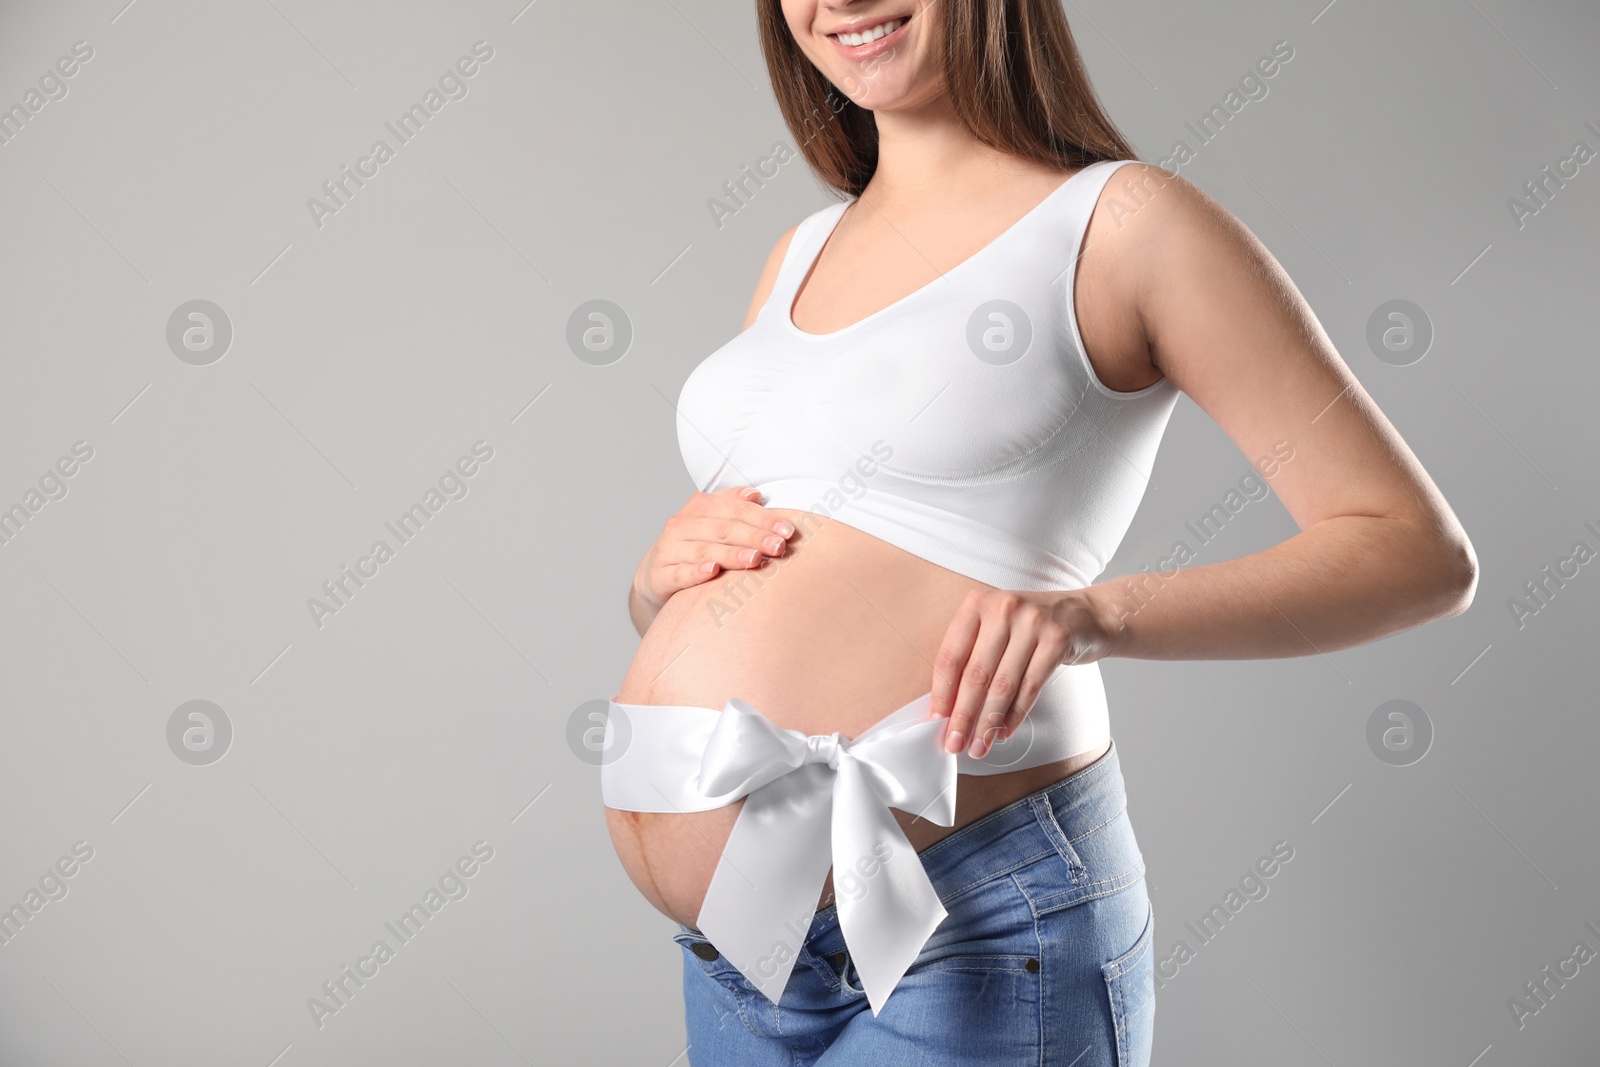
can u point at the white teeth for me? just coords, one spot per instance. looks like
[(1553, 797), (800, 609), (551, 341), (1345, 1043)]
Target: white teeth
[(856, 39)]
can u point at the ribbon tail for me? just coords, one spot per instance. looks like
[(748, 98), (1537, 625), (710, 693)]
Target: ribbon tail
[(887, 905), (763, 894)]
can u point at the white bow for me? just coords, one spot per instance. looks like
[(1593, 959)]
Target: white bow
[(812, 801)]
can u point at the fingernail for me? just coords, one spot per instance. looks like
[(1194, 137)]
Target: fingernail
[(773, 544), (954, 740), (784, 528), (748, 555), (979, 747)]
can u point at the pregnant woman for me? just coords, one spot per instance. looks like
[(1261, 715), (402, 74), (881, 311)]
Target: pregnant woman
[(862, 756)]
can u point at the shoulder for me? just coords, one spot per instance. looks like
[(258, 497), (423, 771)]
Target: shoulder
[(780, 250), (1172, 244), (786, 240), (1220, 315), (776, 258), (1145, 203), (1163, 222), (769, 273)]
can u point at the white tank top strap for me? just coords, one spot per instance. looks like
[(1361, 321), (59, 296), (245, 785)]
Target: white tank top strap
[(802, 252)]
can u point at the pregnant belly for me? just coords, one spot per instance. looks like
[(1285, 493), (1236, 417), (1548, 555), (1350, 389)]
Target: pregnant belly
[(835, 634)]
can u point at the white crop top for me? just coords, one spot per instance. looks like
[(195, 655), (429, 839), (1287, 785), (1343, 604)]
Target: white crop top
[(962, 423)]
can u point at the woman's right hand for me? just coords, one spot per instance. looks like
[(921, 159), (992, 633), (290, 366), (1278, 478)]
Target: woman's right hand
[(728, 529)]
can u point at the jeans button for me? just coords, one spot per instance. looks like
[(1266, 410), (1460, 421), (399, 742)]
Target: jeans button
[(838, 959), (705, 950), (1032, 965)]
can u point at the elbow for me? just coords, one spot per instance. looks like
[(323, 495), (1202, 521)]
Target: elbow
[(1457, 567)]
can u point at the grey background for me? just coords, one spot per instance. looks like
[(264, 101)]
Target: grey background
[(433, 710)]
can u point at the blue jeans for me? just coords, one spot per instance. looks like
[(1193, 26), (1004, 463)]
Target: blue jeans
[(1046, 956)]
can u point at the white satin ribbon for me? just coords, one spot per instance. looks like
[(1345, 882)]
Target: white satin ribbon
[(811, 801)]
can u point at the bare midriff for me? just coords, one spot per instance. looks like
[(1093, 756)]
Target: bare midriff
[(835, 634)]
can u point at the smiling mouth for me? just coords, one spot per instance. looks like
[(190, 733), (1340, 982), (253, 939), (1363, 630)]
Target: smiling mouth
[(871, 35)]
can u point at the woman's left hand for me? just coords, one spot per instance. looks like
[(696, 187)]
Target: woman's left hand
[(998, 652)]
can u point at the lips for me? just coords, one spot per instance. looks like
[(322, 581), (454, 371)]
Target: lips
[(874, 47)]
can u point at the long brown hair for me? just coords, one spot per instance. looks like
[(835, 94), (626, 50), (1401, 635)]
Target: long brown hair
[(1014, 76)]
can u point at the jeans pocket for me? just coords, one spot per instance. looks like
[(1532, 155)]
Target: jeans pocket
[(1130, 986), (1097, 863), (712, 962)]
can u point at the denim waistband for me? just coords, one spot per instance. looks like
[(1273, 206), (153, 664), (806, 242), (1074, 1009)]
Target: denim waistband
[(1011, 836), (1014, 836)]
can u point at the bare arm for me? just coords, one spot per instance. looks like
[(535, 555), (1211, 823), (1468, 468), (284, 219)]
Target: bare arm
[(1189, 291), (642, 608), (1379, 549)]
